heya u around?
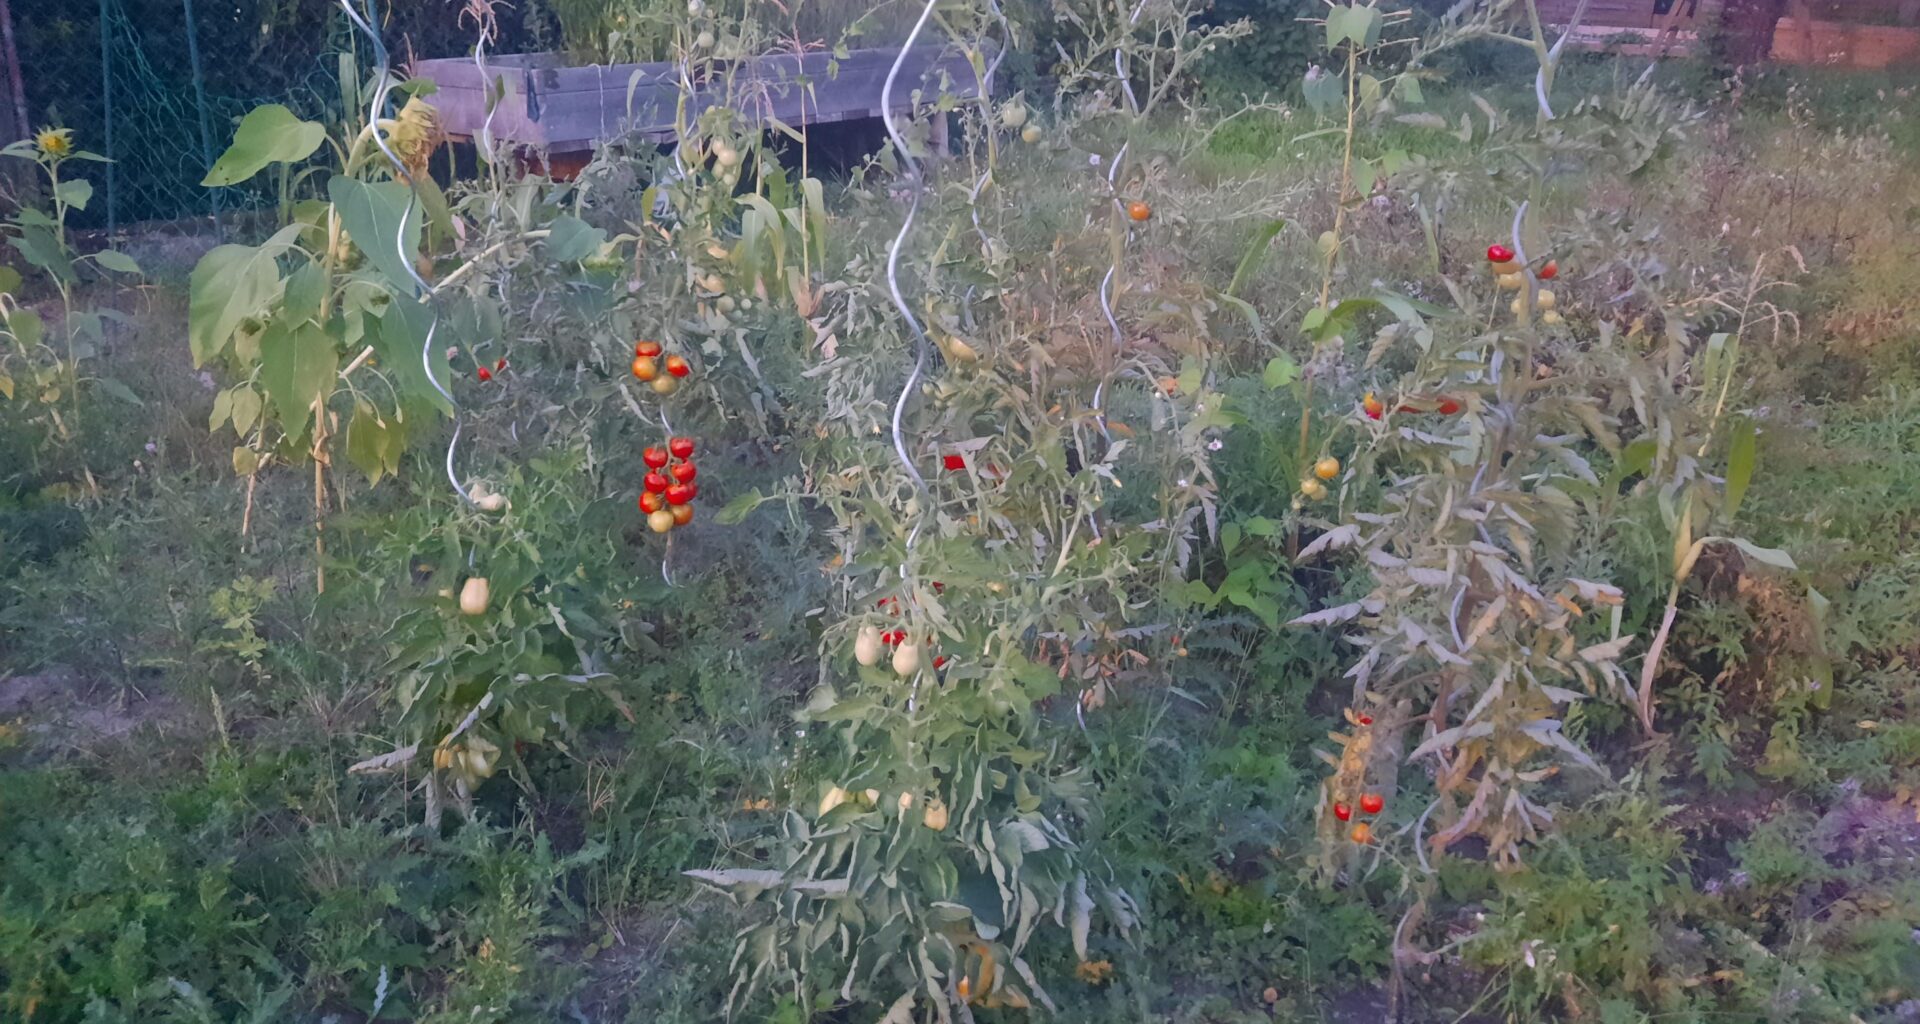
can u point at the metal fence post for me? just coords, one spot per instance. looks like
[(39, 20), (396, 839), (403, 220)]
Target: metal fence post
[(106, 103), (200, 101)]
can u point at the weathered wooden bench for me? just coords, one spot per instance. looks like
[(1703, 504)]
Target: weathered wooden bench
[(562, 111)]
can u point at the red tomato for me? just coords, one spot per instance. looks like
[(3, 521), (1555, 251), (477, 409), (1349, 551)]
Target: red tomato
[(893, 637), (679, 494), (683, 472), (485, 375), (956, 463), (653, 457), (940, 662), (1366, 719), (1497, 253), (650, 503), (681, 447), (1372, 406), (655, 483), (499, 364), (1343, 812), (693, 491), (1550, 271), (647, 348), (678, 366), (1448, 407), (1372, 803)]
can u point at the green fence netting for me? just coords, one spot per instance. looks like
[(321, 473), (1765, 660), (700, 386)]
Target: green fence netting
[(157, 85)]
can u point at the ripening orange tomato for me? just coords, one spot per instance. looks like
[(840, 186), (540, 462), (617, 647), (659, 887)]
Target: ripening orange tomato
[(682, 514), (645, 368), (649, 349), (1139, 211), (1362, 833)]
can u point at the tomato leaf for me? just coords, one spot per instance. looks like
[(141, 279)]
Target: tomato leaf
[(739, 508)]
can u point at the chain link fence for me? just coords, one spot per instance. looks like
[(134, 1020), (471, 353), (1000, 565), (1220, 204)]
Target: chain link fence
[(157, 85)]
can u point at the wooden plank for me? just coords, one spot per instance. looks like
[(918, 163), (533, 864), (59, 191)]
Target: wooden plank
[(1803, 41), (564, 108)]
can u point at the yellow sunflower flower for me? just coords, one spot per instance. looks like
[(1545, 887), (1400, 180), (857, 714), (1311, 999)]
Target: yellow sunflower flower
[(54, 142)]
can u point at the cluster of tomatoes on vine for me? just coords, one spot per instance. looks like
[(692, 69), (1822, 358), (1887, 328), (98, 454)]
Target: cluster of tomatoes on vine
[(1508, 277), (669, 487), (1370, 805), (648, 364), (905, 661)]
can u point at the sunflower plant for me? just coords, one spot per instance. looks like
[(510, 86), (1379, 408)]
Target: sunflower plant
[(46, 359)]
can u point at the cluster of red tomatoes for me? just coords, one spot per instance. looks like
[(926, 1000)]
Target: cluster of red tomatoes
[(1507, 276), (669, 485), (1370, 803), (647, 365), (486, 375), (1441, 404)]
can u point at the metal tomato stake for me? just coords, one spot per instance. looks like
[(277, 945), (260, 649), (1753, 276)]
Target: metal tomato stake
[(920, 343), (383, 87)]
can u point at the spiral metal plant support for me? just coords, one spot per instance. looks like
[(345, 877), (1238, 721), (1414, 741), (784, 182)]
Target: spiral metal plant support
[(423, 292), (920, 343)]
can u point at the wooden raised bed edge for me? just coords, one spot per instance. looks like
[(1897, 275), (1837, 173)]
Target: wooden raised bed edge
[(549, 105)]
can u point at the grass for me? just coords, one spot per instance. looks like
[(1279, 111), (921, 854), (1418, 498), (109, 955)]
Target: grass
[(210, 860)]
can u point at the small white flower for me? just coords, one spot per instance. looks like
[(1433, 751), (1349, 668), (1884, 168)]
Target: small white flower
[(152, 449), (206, 381), (1093, 159), (1215, 445)]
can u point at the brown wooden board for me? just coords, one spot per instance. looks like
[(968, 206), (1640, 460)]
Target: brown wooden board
[(1843, 44), (547, 104)]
